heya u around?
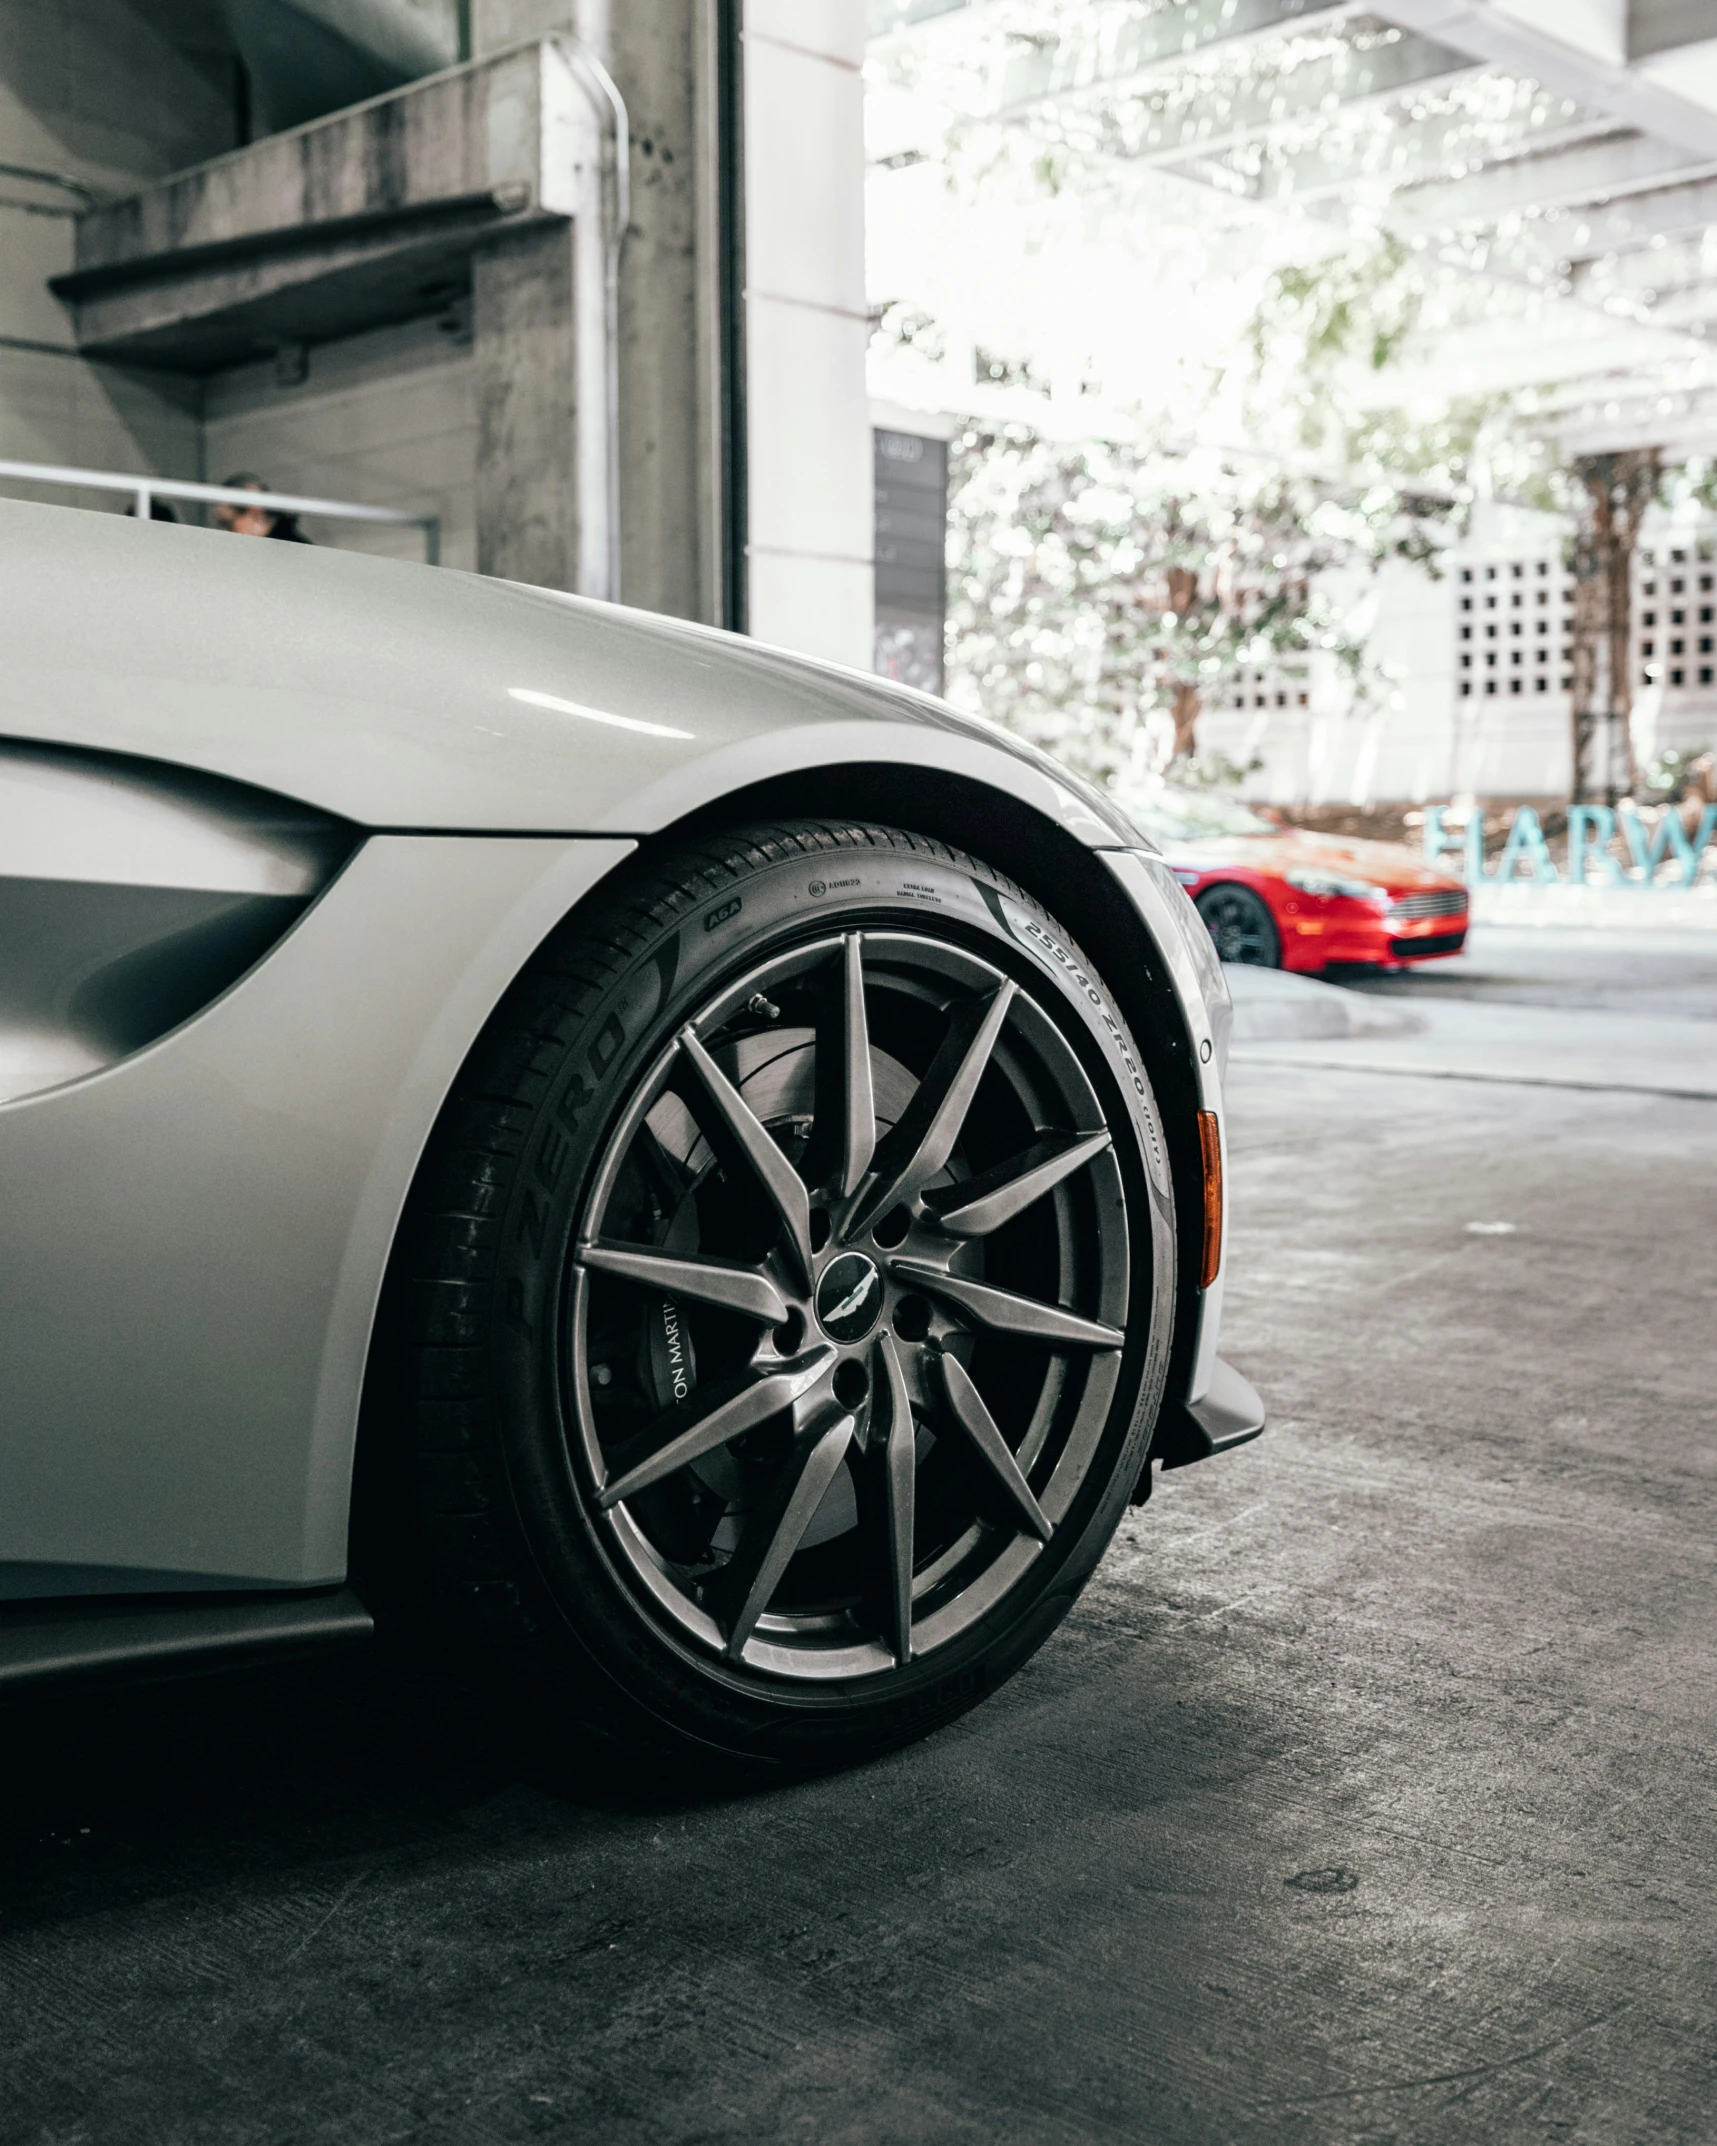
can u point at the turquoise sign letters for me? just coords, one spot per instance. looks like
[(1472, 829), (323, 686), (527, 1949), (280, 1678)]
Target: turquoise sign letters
[(1591, 830)]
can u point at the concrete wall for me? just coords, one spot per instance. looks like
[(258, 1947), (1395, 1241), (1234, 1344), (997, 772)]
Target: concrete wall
[(118, 95), (810, 554), (389, 418), (1419, 737), (163, 95), (1425, 737)]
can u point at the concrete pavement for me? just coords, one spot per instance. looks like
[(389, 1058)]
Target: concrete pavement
[(1367, 1796)]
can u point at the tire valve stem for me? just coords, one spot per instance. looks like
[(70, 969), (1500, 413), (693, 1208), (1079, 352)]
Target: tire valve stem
[(757, 1003), (601, 1375)]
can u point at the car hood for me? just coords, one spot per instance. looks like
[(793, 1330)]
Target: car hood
[(390, 694), (1396, 865)]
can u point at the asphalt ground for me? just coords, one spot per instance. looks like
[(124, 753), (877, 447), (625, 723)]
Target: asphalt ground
[(1367, 1795)]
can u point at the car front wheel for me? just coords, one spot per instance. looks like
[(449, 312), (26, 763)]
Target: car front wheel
[(789, 1297)]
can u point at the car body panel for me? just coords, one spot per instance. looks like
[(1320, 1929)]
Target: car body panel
[(196, 1233), (195, 1238), (385, 693)]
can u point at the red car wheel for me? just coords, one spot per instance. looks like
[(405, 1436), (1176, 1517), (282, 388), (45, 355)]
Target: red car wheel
[(1241, 925)]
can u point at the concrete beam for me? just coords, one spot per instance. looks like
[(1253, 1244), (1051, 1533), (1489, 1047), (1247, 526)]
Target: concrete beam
[(1667, 25), (1619, 161), (344, 224), (1638, 219), (1550, 248), (1354, 148), (1108, 58), (1649, 273), (1634, 97), (1680, 422), (1215, 113)]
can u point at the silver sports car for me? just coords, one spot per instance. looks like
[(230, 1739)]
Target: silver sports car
[(690, 1176)]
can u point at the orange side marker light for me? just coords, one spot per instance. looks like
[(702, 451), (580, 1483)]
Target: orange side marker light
[(1210, 1152)]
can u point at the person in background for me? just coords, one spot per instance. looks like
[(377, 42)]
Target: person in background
[(255, 521)]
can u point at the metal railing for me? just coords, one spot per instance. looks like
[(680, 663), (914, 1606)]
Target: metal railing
[(146, 490)]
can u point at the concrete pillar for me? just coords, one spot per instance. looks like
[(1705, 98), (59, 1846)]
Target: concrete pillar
[(525, 350), (811, 576), (657, 55), (667, 533)]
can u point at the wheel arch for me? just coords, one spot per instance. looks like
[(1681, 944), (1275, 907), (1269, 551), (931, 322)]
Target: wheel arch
[(1072, 882), (1054, 866)]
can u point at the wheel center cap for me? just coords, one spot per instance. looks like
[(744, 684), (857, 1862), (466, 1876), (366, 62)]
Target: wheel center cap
[(849, 1297)]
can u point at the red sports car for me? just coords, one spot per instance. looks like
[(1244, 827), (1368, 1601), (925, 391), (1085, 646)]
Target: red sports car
[(1282, 898)]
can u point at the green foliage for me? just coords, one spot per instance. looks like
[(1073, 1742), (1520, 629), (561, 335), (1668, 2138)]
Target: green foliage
[(1364, 302), (1095, 589)]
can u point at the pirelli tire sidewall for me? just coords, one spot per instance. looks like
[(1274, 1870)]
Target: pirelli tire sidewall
[(584, 1598)]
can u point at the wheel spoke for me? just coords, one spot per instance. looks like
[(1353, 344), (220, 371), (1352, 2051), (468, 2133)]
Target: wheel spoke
[(709, 1281), (988, 1443), (776, 1529), (985, 1202), (858, 1114), (921, 1143), (1004, 1313), (900, 1484), (686, 1433), (779, 1179)]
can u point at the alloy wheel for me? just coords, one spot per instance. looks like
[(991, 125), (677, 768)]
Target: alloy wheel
[(844, 1318), (1240, 925)]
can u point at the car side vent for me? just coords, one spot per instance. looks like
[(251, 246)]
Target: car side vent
[(133, 893)]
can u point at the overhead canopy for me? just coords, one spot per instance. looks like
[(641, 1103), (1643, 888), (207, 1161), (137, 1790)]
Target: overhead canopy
[(1558, 156)]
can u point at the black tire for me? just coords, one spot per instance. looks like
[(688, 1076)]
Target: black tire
[(1241, 924), (537, 1346)]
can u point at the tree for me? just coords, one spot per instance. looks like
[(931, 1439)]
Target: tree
[(1615, 490), (1100, 593)]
